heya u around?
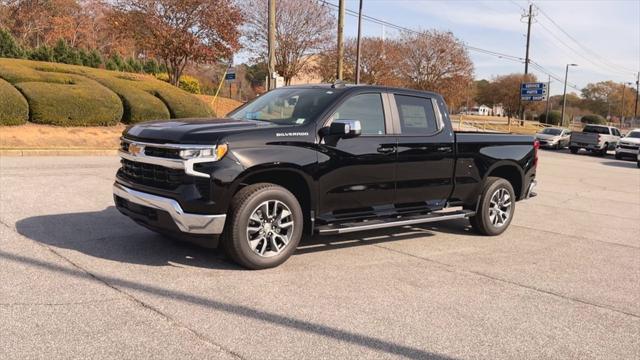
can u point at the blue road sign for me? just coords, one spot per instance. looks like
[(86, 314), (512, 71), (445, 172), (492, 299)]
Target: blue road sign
[(533, 92), (533, 97), (534, 85), (230, 76)]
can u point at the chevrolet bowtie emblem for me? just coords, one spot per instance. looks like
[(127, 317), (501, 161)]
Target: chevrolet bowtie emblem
[(136, 149)]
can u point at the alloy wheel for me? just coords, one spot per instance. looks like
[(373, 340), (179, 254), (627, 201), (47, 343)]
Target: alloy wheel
[(270, 228), (500, 207)]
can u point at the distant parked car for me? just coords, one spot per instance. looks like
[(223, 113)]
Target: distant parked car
[(595, 138), (629, 145), (554, 137)]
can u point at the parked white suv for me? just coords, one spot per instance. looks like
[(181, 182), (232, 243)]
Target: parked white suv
[(595, 138), (629, 145)]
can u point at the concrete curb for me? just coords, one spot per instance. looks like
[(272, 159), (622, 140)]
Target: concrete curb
[(58, 152)]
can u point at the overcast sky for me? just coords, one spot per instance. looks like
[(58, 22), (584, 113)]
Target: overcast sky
[(611, 29)]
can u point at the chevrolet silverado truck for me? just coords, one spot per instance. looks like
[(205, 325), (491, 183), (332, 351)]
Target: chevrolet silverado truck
[(597, 139), (321, 159)]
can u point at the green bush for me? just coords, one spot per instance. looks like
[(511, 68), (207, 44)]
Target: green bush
[(14, 109), (593, 119), (554, 117), (81, 103), (9, 48), (151, 67), (186, 83), (42, 53), (63, 53)]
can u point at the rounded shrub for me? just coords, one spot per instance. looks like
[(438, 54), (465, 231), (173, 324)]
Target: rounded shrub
[(76, 102), (593, 119), (553, 119), (186, 83), (14, 109)]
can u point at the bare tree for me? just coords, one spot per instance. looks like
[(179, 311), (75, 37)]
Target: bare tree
[(181, 31), (303, 28), (437, 61)]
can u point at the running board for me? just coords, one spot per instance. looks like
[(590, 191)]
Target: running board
[(344, 228)]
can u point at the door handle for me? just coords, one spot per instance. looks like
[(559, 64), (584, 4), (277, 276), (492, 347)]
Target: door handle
[(445, 149), (386, 149)]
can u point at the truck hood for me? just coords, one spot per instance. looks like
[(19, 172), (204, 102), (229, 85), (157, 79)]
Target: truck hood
[(547, 136), (630, 140), (190, 131)]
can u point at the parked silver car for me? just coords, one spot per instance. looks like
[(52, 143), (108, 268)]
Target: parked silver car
[(629, 145), (554, 137)]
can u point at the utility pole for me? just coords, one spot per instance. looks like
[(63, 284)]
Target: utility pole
[(624, 87), (272, 44), (546, 116), (526, 58), (358, 45), (564, 94), (340, 39), (635, 108)]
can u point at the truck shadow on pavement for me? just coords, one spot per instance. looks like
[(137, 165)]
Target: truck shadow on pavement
[(621, 164), (242, 311), (108, 235)]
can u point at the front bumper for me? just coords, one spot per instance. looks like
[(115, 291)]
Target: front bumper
[(184, 222), (626, 151)]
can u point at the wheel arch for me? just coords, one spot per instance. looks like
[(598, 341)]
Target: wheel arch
[(510, 172), (289, 176)]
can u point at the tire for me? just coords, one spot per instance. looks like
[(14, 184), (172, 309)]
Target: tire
[(482, 222), (574, 150), (618, 156), (604, 150), (261, 244)]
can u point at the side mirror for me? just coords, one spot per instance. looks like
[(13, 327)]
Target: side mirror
[(345, 128)]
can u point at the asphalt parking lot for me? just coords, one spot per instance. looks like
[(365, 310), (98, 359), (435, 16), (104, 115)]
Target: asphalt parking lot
[(79, 280)]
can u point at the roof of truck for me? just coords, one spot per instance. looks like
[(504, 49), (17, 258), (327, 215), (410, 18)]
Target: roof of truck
[(339, 86)]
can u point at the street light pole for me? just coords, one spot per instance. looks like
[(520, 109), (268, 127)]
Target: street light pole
[(271, 36), (358, 45), (564, 94)]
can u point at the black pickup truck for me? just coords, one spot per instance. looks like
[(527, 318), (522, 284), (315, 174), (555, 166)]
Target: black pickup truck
[(318, 159)]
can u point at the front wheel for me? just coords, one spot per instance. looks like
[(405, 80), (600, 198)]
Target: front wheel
[(604, 150), (264, 226), (574, 150), (496, 209)]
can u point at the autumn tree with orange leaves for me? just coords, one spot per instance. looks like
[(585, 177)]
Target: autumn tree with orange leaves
[(180, 31)]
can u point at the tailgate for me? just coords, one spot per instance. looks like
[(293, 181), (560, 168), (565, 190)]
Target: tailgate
[(584, 138)]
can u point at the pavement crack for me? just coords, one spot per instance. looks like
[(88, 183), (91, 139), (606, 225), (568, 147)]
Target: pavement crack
[(454, 268)]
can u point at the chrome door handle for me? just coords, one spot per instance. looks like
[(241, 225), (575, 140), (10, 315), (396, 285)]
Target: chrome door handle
[(386, 149)]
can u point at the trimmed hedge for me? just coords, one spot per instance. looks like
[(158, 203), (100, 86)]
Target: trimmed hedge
[(64, 94), (14, 109), (83, 103), (593, 119)]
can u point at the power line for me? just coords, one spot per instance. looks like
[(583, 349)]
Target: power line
[(411, 31), (602, 60)]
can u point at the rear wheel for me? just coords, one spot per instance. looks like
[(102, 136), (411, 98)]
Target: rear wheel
[(496, 209), (604, 150), (264, 226)]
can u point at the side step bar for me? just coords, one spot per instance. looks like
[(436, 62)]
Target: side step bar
[(344, 228)]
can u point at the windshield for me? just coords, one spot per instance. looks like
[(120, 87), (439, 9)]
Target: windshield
[(551, 131), (596, 129), (287, 106), (634, 134)]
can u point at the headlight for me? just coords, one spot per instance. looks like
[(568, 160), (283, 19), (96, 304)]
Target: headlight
[(213, 153)]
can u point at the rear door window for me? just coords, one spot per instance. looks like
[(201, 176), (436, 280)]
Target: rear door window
[(417, 115)]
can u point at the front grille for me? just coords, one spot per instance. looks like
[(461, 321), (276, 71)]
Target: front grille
[(162, 152), (629, 147), (152, 175)]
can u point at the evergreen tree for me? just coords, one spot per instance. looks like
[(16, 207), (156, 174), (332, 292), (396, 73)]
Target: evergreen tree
[(9, 48)]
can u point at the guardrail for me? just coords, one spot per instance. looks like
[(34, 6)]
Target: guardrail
[(507, 125)]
